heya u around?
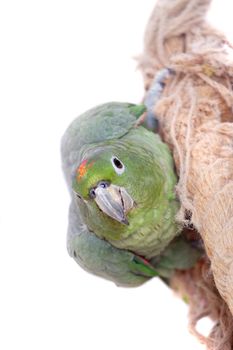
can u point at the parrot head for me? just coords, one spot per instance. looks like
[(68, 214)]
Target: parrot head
[(109, 179), (101, 179)]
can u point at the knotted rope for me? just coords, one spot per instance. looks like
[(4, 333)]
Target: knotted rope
[(195, 116)]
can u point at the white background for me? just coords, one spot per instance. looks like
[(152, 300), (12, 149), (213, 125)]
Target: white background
[(59, 58)]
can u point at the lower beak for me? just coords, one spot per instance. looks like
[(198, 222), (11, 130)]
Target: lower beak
[(115, 202)]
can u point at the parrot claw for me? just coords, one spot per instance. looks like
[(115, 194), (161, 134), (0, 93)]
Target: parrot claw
[(140, 120)]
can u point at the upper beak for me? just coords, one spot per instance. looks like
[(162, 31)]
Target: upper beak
[(115, 202)]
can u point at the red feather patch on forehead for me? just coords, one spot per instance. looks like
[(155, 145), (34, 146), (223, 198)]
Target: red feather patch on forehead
[(83, 168)]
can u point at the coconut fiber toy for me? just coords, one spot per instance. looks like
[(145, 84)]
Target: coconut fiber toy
[(133, 216)]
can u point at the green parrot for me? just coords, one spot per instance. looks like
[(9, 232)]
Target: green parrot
[(121, 178)]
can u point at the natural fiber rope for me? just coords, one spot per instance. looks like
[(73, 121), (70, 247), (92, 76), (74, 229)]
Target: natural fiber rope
[(195, 116)]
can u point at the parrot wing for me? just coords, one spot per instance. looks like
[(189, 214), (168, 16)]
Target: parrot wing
[(99, 257), (179, 255)]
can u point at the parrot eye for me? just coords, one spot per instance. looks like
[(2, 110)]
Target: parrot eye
[(118, 165), (92, 193)]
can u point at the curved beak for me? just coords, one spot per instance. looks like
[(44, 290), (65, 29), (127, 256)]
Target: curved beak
[(115, 202)]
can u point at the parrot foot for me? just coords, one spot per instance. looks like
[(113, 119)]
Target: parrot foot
[(153, 96)]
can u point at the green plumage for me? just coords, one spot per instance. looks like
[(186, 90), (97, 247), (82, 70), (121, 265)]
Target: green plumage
[(123, 207)]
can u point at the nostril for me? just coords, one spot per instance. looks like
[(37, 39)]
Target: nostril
[(92, 193), (103, 184)]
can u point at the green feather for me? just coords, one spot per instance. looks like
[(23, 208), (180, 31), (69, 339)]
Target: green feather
[(101, 258), (179, 255), (99, 242), (142, 267), (137, 110)]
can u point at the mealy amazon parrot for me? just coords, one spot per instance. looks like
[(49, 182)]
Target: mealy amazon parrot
[(122, 215)]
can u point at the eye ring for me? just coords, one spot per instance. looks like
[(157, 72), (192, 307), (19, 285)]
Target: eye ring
[(117, 165)]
